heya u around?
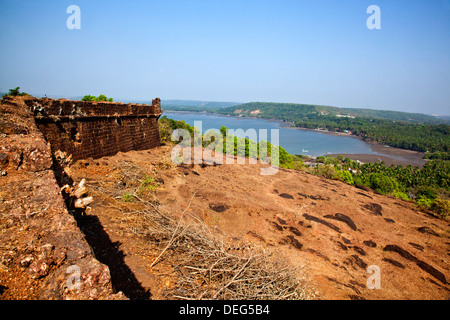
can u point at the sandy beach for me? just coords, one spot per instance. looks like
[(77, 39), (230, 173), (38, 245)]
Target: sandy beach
[(389, 155)]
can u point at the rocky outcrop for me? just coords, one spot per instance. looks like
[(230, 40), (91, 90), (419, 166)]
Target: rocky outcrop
[(43, 253)]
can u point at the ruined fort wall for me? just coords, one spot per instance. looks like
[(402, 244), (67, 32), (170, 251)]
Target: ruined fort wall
[(97, 129), (40, 241)]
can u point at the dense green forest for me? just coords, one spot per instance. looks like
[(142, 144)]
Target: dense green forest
[(428, 187), (292, 112), (417, 137), (416, 132), (195, 106)]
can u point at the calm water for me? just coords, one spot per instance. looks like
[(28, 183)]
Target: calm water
[(295, 141)]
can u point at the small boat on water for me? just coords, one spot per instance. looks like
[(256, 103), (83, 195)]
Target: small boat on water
[(303, 150)]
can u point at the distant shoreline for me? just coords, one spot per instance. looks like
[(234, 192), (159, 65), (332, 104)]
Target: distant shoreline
[(390, 155), (405, 160)]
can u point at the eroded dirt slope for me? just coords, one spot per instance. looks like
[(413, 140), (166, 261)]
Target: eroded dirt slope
[(337, 231)]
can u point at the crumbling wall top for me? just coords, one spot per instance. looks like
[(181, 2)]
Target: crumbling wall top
[(45, 107)]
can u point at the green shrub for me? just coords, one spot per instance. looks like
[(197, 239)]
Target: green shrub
[(15, 93), (438, 155), (320, 159), (326, 171), (88, 98), (344, 175), (331, 160), (101, 97), (297, 163), (127, 197), (167, 126), (441, 207), (147, 185), (357, 181), (165, 132), (382, 183), (426, 192), (424, 202), (400, 195), (348, 160)]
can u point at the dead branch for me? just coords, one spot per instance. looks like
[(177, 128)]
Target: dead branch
[(208, 266)]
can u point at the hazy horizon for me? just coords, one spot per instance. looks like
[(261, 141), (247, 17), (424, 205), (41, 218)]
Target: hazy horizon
[(308, 52)]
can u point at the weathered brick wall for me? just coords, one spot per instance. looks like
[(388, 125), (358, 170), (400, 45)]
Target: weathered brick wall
[(39, 238), (97, 129)]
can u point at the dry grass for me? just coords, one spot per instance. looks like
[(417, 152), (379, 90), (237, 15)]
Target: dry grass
[(209, 267), (205, 265)]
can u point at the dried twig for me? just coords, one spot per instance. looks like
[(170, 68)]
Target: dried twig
[(209, 267), (174, 234)]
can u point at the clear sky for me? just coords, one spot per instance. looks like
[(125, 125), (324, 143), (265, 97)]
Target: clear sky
[(315, 51)]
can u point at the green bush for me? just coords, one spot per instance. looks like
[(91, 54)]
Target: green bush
[(165, 132), (331, 160), (348, 161), (344, 175), (426, 192), (167, 126), (147, 187), (15, 93), (400, 195), (101, 97), (320, 159), (285, 157), (438, 155), (88, 98), (297, 163), (326, 171), (441, 207), (127, 197), (424, 202), (148, 184), (382, 183)]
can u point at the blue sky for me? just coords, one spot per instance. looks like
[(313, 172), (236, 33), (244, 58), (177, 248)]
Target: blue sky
[(317, 52)]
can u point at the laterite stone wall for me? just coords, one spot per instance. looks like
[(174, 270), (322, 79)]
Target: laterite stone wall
[(97, 129)]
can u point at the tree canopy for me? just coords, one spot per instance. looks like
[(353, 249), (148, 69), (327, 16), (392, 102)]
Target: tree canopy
[(15, 93), (101, 97)]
